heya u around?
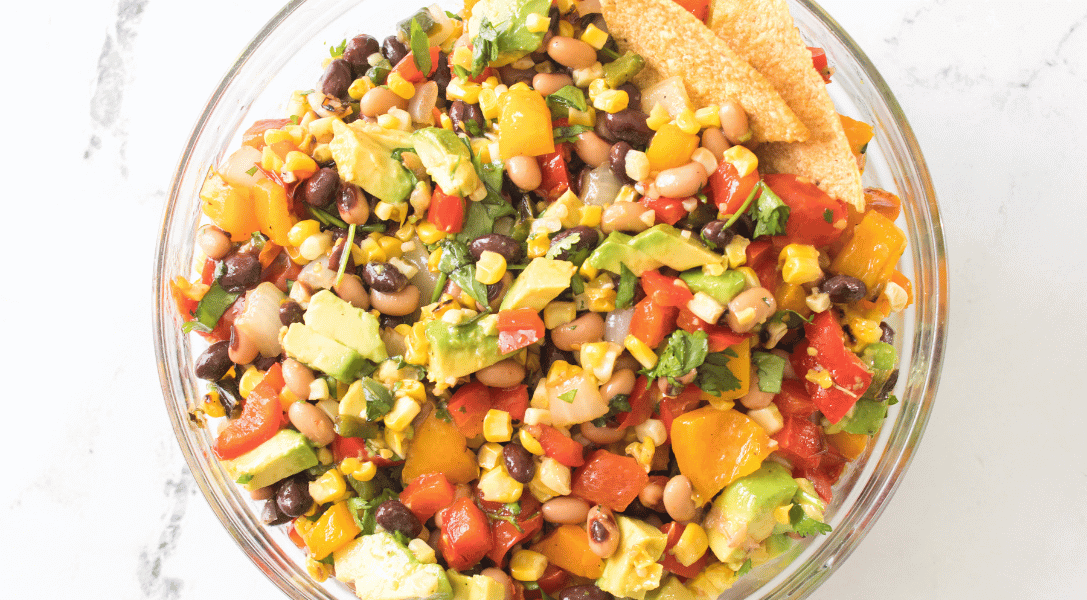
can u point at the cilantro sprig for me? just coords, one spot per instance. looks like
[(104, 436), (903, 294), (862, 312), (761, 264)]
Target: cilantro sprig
[(684, 352)]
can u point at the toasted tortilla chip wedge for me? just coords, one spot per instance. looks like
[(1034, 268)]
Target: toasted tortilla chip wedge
[(674, 42), (762, 32)]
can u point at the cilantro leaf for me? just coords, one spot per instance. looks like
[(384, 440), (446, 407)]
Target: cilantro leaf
[(566, 243), (744, 568), (379, 400), (771, 370), (326, 218), (828, 215), (892, 400), (484, 47), (420, 48), (577, 285), (769, 212), (790, 318), (564, 99), (456, 263), (244, 478), (212, 306), (804, 525), (628, 281), (685, 351), (480, 218), (337, 51), (569, 133), (568, 396), (364, 511), (714, 375)]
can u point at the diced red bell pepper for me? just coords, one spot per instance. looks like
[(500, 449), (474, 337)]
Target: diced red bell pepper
[(793, 400), (641, 400), (668, 210), (468, 406), (465, 534), (819, 61), (814, 217), (513, 400), (350, 447), (427, 494), (504, 534), (557, 446), (446, 211), (261, 418), (728, 190), (668, 560), (699, 8), (610, 480), (672, 407), (850, 376), (664, 290), (718, 336), (801, 441), (761, 256), (410, 71), (652, 322), (518, 328), (555, 174)]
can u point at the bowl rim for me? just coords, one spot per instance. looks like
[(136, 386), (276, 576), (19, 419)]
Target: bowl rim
[(830, 552)]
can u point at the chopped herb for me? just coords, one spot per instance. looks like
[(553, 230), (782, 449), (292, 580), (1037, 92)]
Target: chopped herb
[(743, 207), (769, 212), (564, 99), (685, 351), (337, 51), (568, 396), (456, 262), (569, 133), (442, 412), (892, 400), (252, 171), (484, 47), (744, 568), (461, 72), (628, 281), (577, 286), (399, 535), (326, 218), (805, 525), (480, 217), (514, 508), (191, 326), (828, 215), (790, 318), (453, 16), (566, 243), (771, 370), (612, 54), (346, 248), (379, 400), (420, 48), (244, 478), (364, 511), (212, 306), (714, 375)]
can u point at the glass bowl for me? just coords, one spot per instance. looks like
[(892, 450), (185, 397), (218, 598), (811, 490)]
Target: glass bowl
[(286, 54)]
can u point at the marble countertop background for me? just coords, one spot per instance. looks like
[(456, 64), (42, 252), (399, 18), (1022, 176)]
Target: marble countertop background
[(97, 500)]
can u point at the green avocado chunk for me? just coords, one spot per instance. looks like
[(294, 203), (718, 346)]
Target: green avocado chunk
[(670, 589), (616, 250), (673, 247), (363, 155), (284, 454), (633, 569), (383, 569), (304, 344), (541, 282), (881, 359), (722, 288), (459, 350), (475, 587), (509, 19), (447, 160), (745, 510), (353, 327)]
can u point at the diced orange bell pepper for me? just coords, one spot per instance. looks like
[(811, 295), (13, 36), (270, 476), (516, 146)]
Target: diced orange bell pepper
[(670, 147), (524, 125), (428, 493), (850, 445), (857, 132), (715, 447), (270, 206), (872, 252), (439, 447), (609, 479), (740, 365), (791, 296), (568, 547), (229, 206), (333, 529)]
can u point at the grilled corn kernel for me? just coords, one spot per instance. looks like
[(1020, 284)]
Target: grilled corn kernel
[(538, 245), (817, 302), (768, 418), (597, 86), (302, 230), (819, 377), (597, 300), (897, 296), (400, 86), (366, 472), (658, 117), (705, 307), (642, 452), (322, 128), (445, 122), (490, 268), (249, 380), (692, 544), (329, 487), (489, 455), (390, 212), (359, 87), (751, 278), (422, 551), (637, 166), (611, 101), (497, 426), (554, 475), (412, 389), (468, 92), (799, 264), (536, 416), (297, 161), (686, 122), (594, 37), (496, 485), (583, 77), (599, 358), (212, 407), (350, 465), (322, 153), (428, 233), (744, 160), (582, 117), (641, 352), (526, 565), (402, 413), (709, 116), (488, 104), (530, 443), (319, 571), (736, 251)]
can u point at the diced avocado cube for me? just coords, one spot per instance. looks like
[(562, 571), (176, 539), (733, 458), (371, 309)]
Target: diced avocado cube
[(383, 569), (670, 589), (673, 247), (541, 282), (866, 417), (304, 344), (284, 454), (364, 158), (745, 510), (353, 327), (458, 350), (623, 69), (633, 569), (447, 160), (616, 250), (475, 587), (722, 288)]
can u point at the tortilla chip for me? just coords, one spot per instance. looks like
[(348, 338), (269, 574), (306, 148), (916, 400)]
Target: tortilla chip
[(674, 42), (762, 32)]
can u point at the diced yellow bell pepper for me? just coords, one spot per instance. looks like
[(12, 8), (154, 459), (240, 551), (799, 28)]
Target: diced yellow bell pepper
[(670, 147), (715, 447), (524, 124), (871, 252), (741, 368), (790, 296), (333, 529), (439, 447), (228, 206), (273, 216)]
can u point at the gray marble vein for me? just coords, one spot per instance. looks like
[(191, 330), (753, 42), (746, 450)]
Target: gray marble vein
[(153, 584)]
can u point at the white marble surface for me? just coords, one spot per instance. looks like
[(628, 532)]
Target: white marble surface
[(97, 500)]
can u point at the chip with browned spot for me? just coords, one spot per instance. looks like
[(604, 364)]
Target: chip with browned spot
[(763, 33), (675, 43)]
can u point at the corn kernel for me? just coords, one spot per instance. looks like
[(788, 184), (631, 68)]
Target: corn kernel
[(566, 28), (398, 440), (249, 380), (736, 251), (400, 86), (768, 418), (429, 233), (743, 160), (637, 166), (530, 443), (564, 6), (462, 57), (349, 465), (212, 406), (751, 278), (468, 92), (538, 245), (322, 153), (554, 476), (641, 352), (709, 116), (490, 268), (611, 101), (705, 158), (817, 302), (658, 117), (652, 429), (686, 122), (583, 77), (526, 565), (488, 104), (496, 485), (366, 472), (556, 314), (388, 121), (497, 426), (319, 571), (599, 357), (819, 377), (329, 487), (692, 544), (489, 455), (799, 264), (897, 296), (298, 161), (322, 128), (324, 456), (302, 230), (594, 37), (706, 307), (270, 161), (597, 86), (537, 23), (274, 136), (389, 244), (404, 410), (642, 452), (359, 87)]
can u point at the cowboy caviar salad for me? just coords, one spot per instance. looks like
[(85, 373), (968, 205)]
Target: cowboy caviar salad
[(521, 302)]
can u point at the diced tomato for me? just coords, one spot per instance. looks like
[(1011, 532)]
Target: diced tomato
[(729, 190), (824, 476), (718, 336), (254, 136), (814, 217), (668, 560), (641, 400), (672, 407), (513, 400), (410, 71), (555, 178), (819, 61), (759, 251), (468, 406), (652, 322), (207, 274), (557, 446), (504, 534), (427, 494), (465, 534), (609, 479), (793, 400), (801, 441), (518, 328), (668, 210), (665, 290), (350, 447), (446, 211), (762, 258), (850, 376), (261, 418), (699, 8)]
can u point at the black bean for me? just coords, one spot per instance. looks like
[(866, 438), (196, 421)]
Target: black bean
[(337, 254), (844, 289), (583, 592), (384, 277), (442, 76), (357, 51), (550, 353), (336, 79), (229, 396), (391, 321), (511, 75), (634, 95), (715, 233), (394, 516), (518, 462), (496, 291), (293, 497), (744, 226), (321, 187), (290, 312), (508, 247), (586, 241), (888, 335), (617, 161), (213, 363), (263, 363), (394, 49), (271, 515), (242, 271), (629, 125), (461, 113)]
